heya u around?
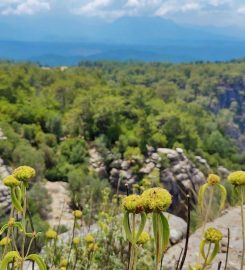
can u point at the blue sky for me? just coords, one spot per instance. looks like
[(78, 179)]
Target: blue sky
[(196, 12)]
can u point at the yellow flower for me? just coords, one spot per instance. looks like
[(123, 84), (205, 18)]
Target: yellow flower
[(89, 238), (62, 268), (156, 199), (213, 179), (213, 235), (63, 263), (11, 222), (237, 178), (144, 238), (197, 267), (5, 241), (77, 213), (11, 181), (92, 247), (24, 173), (76, 241), (133, 204), (51, 234)]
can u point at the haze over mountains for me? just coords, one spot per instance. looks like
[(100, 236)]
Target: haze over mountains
[(68, 40)]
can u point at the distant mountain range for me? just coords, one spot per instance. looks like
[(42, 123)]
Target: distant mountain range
[(66, 42)]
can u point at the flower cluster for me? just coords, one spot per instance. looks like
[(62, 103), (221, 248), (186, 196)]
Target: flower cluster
[(213, 235), (213, 179), (237, 178), (51, 234), (24, 173), (89, 238), (11, 181), (151, 200), (77, 214), (144, 238)]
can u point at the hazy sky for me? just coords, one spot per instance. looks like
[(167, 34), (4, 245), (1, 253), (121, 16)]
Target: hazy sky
[(203, 12)]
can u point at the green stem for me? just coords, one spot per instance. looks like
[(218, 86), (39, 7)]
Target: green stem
[(8, 232), (133, 247), (71, 245), (243, 229), (157, 243), (208, 209), (23, 222), (206, 258)]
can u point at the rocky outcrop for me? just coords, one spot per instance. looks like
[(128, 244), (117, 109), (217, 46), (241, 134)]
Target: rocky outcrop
[(230, 219), (171, 167), (5, 201)]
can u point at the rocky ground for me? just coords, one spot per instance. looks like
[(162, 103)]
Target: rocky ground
[(230, 219)]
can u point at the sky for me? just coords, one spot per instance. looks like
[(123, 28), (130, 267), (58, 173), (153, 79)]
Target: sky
[(219, 13)]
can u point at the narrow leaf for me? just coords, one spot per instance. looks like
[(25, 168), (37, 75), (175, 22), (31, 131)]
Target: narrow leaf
[(38, 260)]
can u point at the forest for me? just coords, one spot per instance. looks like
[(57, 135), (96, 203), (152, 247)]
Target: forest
[(52, 117)]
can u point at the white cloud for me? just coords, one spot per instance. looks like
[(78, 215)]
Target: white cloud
[(20, 7), (241, 10)]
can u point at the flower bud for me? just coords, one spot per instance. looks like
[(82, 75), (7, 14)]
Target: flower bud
[(92, 247), (89, 238), (76, 241)]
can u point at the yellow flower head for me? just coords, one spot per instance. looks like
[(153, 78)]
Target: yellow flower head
[(11, 181), (213, 235), (133, 204), (144, 238), (24, 173), (77, 213), (11, 222), (198, 267), (63, 263), (92, 247), (76, 241), (51, 234), (213, 179), (89, 238), (5, 241), (237, 178), (156, 199), (62, 268)]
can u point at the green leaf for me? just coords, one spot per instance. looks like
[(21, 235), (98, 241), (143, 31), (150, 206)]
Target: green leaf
[(38, 260), (141, 226), (214, 253), (165, 231), (9, 257), (201, 248), (201, 194), (126, 227), (16, 203), (155, 224), (223, 196)]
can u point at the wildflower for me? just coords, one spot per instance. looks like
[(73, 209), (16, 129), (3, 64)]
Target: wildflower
[(197, 267), (51, 234), (5, 241), (77, 213), (89, 238), (11, 222), (76, 241), (133, 204), (213, 235), (213, 179), (62, 268), (63, 263), (237, 178), (156, 199), (11, 181), (92, 247), (24, 173), (143, 239)]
